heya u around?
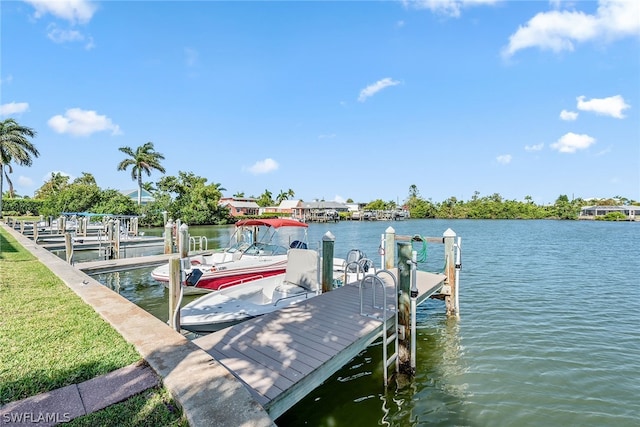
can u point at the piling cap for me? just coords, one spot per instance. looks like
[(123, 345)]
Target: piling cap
[(328, 236), (389, 230), (449, 233), (184, 227)]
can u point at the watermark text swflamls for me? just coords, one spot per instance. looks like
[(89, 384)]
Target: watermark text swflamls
[(36, 417)]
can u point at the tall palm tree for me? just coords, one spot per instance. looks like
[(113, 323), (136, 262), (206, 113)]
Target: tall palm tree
[(7, 170), (144, 159), (15, 147)]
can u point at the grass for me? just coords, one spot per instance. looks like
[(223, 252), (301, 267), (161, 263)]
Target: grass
[(152, 408), (50, 338)]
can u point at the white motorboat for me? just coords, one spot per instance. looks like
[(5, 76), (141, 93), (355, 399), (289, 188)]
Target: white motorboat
[(301, 281), (255, 252)]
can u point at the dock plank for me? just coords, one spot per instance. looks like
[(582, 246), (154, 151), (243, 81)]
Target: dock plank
[(282, 356)]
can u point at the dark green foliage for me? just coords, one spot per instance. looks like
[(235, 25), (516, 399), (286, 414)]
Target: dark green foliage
[(114, 202), (14, 207), (613, 216)]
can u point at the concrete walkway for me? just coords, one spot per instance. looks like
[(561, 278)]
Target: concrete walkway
[(75, 400), (208, 393)]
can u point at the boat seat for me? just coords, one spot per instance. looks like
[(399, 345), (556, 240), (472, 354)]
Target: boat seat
[(285, 290), (197, 260), (302, 268), (297, 244), (354, 256)]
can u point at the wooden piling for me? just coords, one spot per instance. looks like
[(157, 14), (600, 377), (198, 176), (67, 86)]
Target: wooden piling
[(116, 238), (389, 248), (175, 284), (328, 242), (449, 288), (68, 245), (109, 243), (404, 307), (183, 241), (168, 237)]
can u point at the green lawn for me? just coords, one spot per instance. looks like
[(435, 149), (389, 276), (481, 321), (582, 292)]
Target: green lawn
[(50, 338)]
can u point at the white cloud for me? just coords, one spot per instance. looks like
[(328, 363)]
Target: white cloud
[(59, 35), (568, 115), (327, 136), (536, 147), (13, 108), (264, 166), (25, 181), (376, 87), (339, 199), (559, 30), (7, 79), (612, 106), (450, 8), (504, 159), (571, 142), (74, 11), (82, 123), (191, 56)]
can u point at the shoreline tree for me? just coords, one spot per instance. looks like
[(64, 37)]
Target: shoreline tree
[(144, 159), (14, 147)]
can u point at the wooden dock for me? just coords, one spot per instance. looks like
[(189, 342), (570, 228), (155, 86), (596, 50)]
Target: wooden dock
[(284, 355), (104, 266)]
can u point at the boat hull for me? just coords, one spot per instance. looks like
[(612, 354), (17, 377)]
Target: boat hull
[(221, 277)]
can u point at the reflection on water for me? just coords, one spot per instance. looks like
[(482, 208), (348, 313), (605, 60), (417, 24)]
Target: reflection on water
[(548, 331), (355, 395), (139, 287)]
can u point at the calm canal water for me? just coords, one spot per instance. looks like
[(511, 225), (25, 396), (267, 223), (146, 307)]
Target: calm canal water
[(549, 332)]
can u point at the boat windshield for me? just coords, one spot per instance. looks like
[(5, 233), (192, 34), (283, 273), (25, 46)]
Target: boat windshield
[(265, 249), (238, 247)]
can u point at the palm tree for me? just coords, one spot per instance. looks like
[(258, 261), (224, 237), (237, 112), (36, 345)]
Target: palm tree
[(55, 184), (7, 170), (144, 159), (15, 146)]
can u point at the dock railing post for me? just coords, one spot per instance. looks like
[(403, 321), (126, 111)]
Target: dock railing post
[(328, 242), (389, 248), (404, 306), (449, 289), (175, 289), (183, 240), (168, 236)]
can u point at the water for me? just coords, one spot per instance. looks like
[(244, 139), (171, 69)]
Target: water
[(549, 330)]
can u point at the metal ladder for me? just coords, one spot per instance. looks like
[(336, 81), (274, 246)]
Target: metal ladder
[(387, 338)]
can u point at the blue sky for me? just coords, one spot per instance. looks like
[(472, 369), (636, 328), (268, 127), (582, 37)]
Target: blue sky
[(333, 100)]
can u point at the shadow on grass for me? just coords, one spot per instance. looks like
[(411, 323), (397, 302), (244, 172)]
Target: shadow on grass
[(6, 246), (153, 407)]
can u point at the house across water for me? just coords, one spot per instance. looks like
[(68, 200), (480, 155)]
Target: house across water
[(632, 213)]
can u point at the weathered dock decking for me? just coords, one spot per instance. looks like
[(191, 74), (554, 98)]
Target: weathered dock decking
[(103, 266), (282, 356)]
